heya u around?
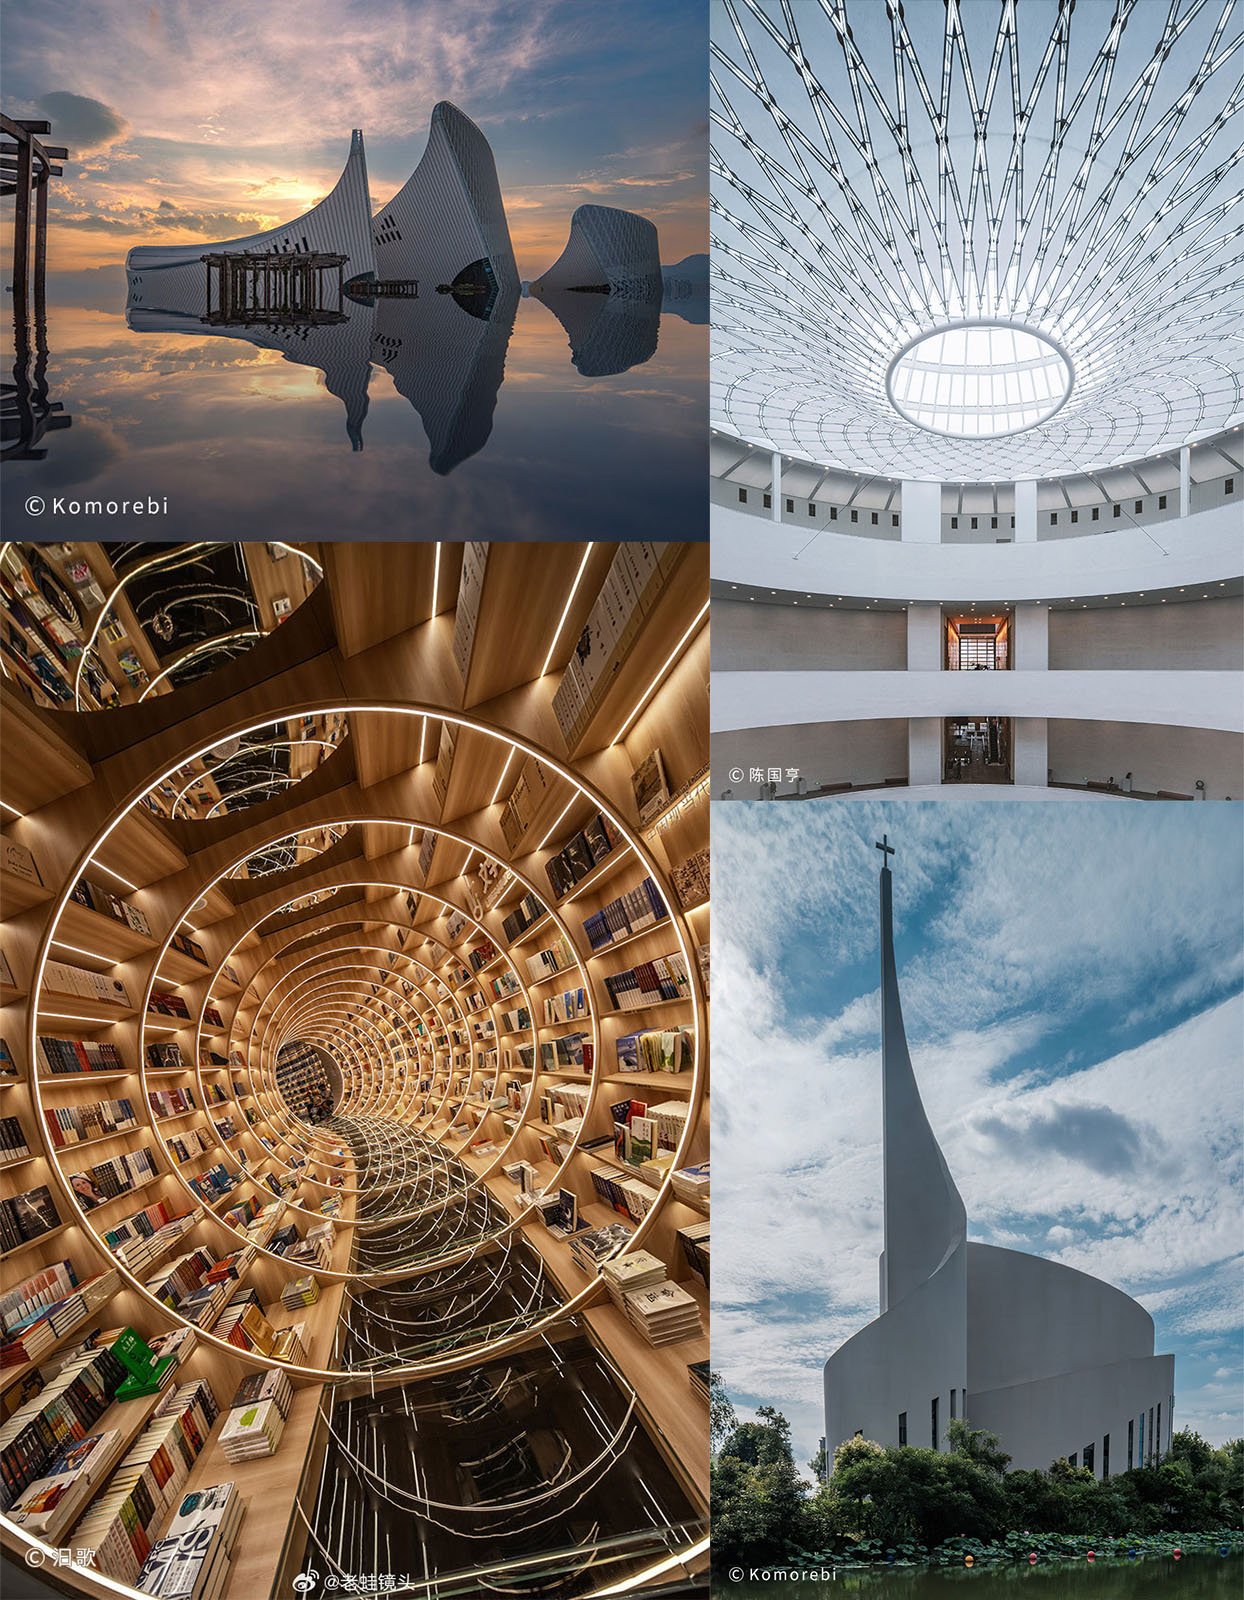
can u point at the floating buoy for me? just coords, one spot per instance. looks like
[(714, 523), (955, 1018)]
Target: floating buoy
[(1224, 1549), (1132, 1553), (967, 1560), (1092, 1556), (1032, 1558), (1177, 1553)]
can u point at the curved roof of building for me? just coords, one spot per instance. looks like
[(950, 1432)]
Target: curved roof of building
[(933, 225)]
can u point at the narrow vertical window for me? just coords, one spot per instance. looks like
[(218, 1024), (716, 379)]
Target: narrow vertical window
[(933, 1419), (1131, 1444), (954, 1395), (1105, 1457), (1088, 1457), (902, 1427)]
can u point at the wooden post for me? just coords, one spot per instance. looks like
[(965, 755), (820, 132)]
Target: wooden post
[(41, 245), (21, 237)]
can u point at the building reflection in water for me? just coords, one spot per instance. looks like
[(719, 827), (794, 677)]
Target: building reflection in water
[(426, 290)]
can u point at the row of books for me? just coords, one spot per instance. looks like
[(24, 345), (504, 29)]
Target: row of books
[(98, 898), (649, 983), (568, 1006), (64, 1410), (481, 955), (189, 947), (149, 1234), (34, 1293), (586, 850), (117, 1529), (528, 911), (165, 1057), (13, 1146), (636, 577), (670, 1050), (632, 912), (69, 1125), (628, 1195), (27, 1216), (187, 1143), (558, 957), (46, 1327), (171, 1102), (693, 1239), (516, 1021), (213, 1184), (78, 1055), (115, 1176), (691, 879), (167, 1003), (64, 979)]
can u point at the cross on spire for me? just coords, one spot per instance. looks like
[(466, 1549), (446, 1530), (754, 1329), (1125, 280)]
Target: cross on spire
[(887, 849)]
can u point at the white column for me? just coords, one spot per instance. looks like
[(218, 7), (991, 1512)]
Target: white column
[(921, 519), (924, 638), (775, 488), (1026, 511), (1185, 480), (1031, 759), (924, 750), (1030, 638)]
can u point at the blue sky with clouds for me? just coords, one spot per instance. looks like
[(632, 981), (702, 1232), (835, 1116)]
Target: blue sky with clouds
[(1072, 988), (207, 121)]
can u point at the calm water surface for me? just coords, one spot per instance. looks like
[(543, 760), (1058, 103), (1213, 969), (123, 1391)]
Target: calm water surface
[(1193, 1578), (406, 421)]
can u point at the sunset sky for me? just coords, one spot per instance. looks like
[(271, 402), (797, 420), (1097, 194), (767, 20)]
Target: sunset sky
[(191, 122)]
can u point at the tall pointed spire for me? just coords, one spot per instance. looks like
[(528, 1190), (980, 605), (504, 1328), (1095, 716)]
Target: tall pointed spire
[(924, 1214)]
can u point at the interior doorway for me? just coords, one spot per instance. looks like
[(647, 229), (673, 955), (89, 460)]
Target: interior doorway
[(978, 750), (978, 644)]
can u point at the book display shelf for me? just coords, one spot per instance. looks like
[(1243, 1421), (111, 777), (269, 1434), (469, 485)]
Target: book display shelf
[(355, 1066)]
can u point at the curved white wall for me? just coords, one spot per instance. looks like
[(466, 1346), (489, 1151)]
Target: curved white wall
[(764, 638), (779, 699), (1199, 549), (1201, 634)]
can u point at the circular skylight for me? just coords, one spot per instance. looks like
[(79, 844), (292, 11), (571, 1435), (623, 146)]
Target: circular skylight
[(979, 380), (885, 174)]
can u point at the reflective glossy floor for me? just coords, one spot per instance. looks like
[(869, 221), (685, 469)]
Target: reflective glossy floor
[(408, 419)]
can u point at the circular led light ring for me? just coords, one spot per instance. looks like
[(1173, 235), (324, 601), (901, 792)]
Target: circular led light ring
[(591, 1290)]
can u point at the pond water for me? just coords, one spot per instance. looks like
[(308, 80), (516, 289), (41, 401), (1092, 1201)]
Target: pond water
[(405, 419), (1192, 1578)]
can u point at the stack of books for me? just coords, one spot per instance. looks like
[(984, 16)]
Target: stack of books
[(694, 1241), (664, 1313), (256, 1416), (594, 1245), (632, 1272), (629, 1196), (47, 1508), (150, 1478), (71, 1401), (691, 1183), (191, 1562), (300, 1292), (289, 1345), (698, 1372), (587, 849), (144, 1237)]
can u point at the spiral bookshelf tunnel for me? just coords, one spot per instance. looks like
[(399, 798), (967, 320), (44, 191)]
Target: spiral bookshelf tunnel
[(355, 1024)]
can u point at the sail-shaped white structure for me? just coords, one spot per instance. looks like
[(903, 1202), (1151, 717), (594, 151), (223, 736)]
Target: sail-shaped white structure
[(173, 278), (608, 250), (1053, 1361), (448, 216)]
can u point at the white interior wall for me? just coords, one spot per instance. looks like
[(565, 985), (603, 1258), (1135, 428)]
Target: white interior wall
[(752, 637), (1193, 634), (863, 753), (1159, 758)]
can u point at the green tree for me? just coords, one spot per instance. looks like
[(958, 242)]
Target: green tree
[(978, 1444), (721, 1418)]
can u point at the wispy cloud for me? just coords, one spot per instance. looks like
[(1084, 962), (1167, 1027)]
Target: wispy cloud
[(1071, 985)]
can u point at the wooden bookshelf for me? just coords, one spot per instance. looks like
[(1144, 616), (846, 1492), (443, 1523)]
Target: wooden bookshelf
[(373, 968)]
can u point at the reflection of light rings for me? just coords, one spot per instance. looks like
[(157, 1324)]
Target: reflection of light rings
[(163, 560), (448, 906), (583, 789), (220, 641), (240, 755), (633, 842)]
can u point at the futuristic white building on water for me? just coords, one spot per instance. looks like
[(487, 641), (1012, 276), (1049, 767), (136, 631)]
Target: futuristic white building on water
[(976, 471), (1056, 1363)]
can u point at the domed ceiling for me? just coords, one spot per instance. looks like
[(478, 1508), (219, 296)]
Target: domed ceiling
[(972, 241)]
